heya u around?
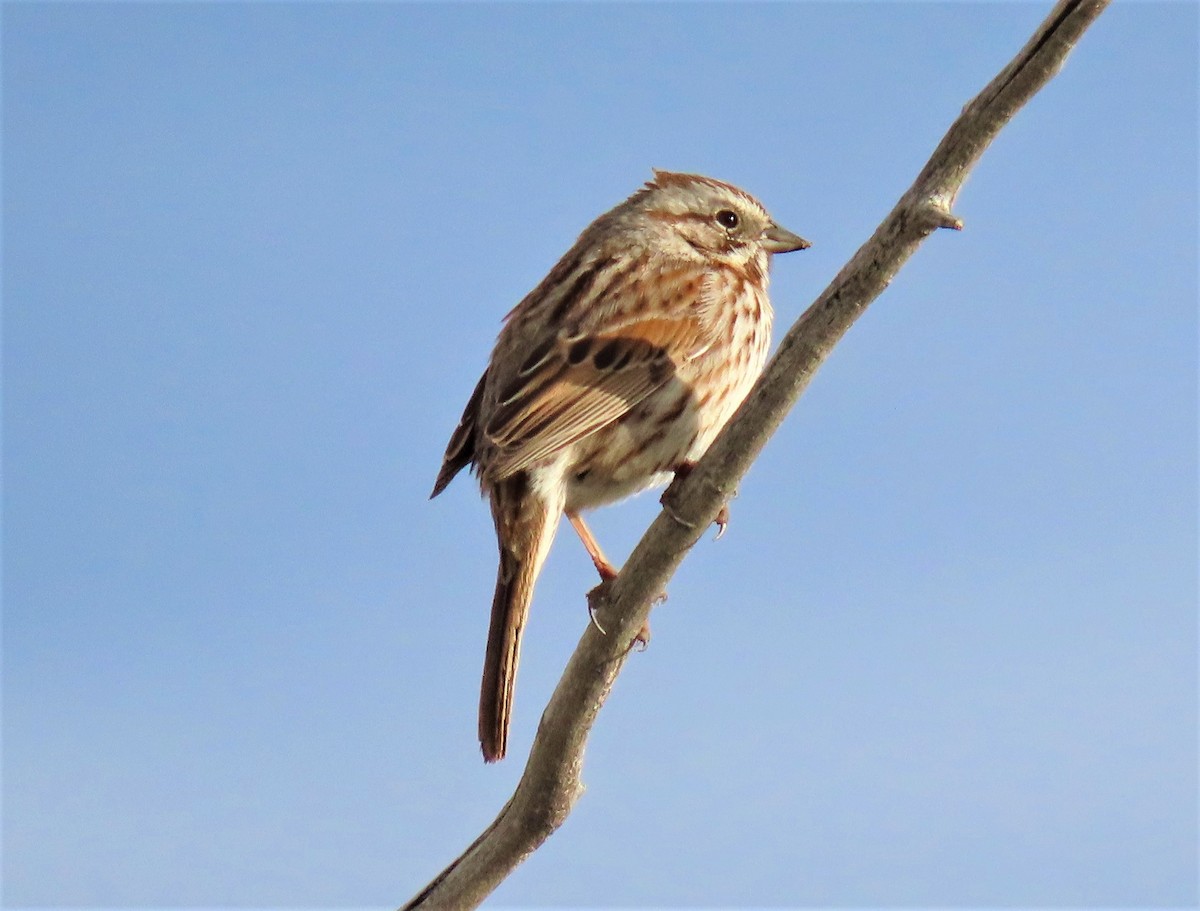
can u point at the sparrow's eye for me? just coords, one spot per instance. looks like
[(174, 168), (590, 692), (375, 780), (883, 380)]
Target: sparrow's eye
[(727, 219)]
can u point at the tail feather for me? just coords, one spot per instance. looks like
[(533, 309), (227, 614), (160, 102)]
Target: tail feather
[(510, 609), (525, 525)]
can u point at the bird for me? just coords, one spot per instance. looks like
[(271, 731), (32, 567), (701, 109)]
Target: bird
[(613, 375)]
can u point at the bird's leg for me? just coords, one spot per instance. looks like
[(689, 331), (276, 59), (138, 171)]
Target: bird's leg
[(606, 570), (682, 470), (603, 567)]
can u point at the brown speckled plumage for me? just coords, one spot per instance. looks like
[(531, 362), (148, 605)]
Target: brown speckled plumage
[(618, 369)]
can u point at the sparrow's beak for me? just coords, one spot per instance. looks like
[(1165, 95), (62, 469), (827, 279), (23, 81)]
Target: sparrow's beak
[(781, 240)]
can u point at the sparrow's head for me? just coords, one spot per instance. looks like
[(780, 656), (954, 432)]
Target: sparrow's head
[(691, 216)]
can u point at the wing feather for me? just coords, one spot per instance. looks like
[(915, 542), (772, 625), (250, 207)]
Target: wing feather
[(581, 384)]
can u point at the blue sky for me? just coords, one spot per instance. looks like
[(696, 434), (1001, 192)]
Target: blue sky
[(255, 256)]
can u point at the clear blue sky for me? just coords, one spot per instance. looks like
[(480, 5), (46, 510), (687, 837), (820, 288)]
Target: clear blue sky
[(255, 256)]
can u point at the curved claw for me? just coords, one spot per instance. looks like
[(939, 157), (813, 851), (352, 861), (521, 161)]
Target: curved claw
[(592, 618), (641, 641), (722, 522)]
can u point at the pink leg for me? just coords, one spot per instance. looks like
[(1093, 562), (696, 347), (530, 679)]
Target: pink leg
[(606, 570), (603, 567)]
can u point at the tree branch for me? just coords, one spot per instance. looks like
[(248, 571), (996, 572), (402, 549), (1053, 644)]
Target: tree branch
[(551, 782)]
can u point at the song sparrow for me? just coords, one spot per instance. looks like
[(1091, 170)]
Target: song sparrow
[(616, 371)]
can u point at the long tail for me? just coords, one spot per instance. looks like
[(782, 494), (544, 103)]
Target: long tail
[(525, 525)]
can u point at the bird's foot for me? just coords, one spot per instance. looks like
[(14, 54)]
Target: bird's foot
[(682, 471), (642, 640), (721, 521), (595, 597), (599, 594)]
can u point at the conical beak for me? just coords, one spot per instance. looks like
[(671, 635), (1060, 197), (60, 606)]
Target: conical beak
[(781, 240)]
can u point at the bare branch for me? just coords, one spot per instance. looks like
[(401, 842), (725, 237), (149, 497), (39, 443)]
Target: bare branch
[(552, 783)]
